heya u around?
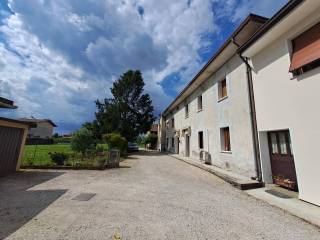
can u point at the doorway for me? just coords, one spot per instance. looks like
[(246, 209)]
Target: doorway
[(187, 145), (178, 143), (282, 159)]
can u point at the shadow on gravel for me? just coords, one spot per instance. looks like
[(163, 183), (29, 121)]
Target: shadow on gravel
[(18, 205)]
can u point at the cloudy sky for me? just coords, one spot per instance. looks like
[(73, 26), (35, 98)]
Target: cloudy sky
[(58, 56)]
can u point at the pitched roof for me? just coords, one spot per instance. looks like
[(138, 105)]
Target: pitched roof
[(6, 103), (245, 30), (282, 13), (35, 120)]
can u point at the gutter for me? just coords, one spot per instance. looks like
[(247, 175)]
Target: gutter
[(255, 135)]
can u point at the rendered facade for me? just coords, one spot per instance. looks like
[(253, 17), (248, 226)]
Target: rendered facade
[(253, 108)]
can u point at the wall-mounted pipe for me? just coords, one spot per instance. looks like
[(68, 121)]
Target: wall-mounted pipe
[(255, 135)]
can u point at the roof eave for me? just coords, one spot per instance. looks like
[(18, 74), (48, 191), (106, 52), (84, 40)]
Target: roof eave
[(283, 12)]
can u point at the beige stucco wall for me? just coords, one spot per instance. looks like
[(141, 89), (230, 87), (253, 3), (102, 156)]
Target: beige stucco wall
[(287, 102), (43, 130), (232, 111)]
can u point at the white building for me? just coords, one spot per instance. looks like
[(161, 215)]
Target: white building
[(212, 116), (285, 59)]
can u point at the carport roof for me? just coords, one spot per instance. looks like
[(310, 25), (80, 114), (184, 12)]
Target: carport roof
[(30, 124), (6, 103)]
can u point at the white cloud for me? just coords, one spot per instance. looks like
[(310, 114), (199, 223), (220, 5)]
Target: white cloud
[(60, 55)]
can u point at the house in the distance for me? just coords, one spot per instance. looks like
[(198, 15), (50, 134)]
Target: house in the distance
[(43, 130)]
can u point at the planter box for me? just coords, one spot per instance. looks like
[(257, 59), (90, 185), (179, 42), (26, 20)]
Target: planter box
[(113, 159), (287, 183)]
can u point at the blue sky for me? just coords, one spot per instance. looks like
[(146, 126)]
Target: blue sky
[(58, 56)]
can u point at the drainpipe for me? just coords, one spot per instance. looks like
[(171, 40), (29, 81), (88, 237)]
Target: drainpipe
[(255, 135)]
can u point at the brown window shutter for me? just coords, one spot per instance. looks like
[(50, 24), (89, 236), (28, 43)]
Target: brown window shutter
[(224, 88), (306, 48), (227, 140)]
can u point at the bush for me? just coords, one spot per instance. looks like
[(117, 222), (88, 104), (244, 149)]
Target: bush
[(82, 141), (59, 158), (102, 147), (115, 140), (151, 139)]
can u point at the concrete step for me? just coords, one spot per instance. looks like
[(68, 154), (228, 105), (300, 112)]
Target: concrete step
[(236, 180)]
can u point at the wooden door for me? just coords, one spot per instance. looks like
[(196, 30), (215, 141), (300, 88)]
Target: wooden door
[(281, 156)]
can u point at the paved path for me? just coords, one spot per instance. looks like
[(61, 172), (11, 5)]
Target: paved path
[(152, 197)]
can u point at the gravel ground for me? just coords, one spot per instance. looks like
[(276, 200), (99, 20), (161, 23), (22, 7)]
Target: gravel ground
[(152, 196)]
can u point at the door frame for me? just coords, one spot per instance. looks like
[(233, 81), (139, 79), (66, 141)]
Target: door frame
[(282, 164)]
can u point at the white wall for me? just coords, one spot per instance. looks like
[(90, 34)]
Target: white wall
[(233, 112), (287, 102)]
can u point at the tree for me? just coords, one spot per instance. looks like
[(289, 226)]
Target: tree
[(151, 139), (129, 112), (82, 140), (116, 141)]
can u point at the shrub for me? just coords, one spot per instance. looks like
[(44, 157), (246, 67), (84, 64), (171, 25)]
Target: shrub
[(102, 147), (115, 140), (151, 139), (59, 158), (82, 141)]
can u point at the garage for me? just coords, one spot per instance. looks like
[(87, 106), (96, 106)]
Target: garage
[(12, 140), (13, 135)]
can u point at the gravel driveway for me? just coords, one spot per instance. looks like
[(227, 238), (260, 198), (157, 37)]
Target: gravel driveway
[(152, 196)]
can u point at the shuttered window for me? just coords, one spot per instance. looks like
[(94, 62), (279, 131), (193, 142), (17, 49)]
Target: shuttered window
[(225, 140), (223, 91), (200, 139), (306, 51)]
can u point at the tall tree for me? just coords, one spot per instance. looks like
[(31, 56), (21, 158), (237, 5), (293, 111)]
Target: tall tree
[(130, 111)]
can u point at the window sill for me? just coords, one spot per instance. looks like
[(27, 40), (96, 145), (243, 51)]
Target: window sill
[(221, 99), (226, 152), (200, 110), (186, 117)]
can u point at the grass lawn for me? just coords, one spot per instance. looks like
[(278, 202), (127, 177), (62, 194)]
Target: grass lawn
[(38, 155)]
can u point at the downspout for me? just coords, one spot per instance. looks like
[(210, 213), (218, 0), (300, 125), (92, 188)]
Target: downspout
[(255, 135)]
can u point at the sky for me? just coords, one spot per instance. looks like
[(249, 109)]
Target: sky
[(58, 56)]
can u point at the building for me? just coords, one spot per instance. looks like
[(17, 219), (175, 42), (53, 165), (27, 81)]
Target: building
[(13, 135), (285, 59), (154, 129), (211, 119), (43, 129), (154, 133)]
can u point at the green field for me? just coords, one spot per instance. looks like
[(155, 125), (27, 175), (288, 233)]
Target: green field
[(38, 155)]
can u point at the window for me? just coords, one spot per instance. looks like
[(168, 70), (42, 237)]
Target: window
[(187, 111), (306, 51), (167, 142), (172, 122), (223, 92), (225, 139), (200, 103), (172, 142), (200, 139), (274, 143), (280, 143)]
